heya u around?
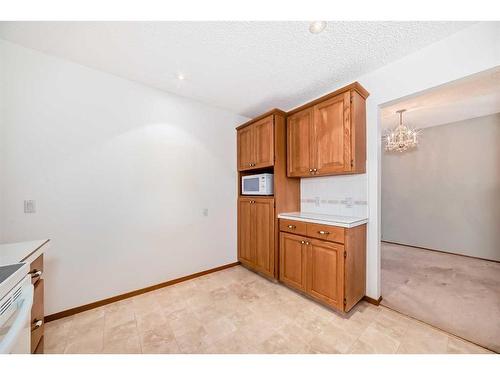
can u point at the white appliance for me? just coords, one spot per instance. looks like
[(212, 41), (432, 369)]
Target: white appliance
[(257, 184), (16, 299)]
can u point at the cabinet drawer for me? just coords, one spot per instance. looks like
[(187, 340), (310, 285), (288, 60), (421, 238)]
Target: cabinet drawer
[(37, 312), (293, 226), (36, 269), (325, 232)]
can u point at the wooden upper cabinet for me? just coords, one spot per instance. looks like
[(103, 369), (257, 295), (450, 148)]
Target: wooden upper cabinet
[(328, 135), (325, 271), (292, 260), (299, 141), (245, 148), (332, 136), (264, 142), (256, 144)]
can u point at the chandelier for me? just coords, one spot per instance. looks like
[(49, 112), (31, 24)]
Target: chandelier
[(402, 137)]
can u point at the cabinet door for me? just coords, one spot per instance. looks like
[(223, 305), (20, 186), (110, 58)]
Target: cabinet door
[(245, 148), (293, 260), (246, 246), (264, 234), (263, 142), (332, 135), (325, 272), (299, 134)]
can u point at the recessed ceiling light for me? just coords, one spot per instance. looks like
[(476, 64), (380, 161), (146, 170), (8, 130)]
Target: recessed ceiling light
[(317, 26), (181, 77)]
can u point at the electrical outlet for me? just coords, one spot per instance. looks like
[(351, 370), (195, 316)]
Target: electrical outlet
[(316, 201), (205, 212), (348, 202), (29, 206)]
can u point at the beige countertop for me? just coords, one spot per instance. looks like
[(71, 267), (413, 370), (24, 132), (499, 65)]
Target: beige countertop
[(21, 251), (336, 220)]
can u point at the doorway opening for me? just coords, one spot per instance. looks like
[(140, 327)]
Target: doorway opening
[(440, 250)]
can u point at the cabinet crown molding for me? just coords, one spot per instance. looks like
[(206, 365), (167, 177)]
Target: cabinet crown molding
[(274, 111), (356, 86)]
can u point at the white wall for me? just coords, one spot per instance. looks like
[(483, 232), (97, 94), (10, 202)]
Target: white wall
[(445, 194), (470, 51), (120, 174)]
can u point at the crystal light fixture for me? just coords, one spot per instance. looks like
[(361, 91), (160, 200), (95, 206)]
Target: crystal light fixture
[(402, 137)]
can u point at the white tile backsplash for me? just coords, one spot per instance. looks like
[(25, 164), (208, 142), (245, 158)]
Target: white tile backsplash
[(335, 195)]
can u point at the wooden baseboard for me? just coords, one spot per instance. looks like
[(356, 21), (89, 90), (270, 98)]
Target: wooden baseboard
[(440, 251), (373, 301), (93, 305)]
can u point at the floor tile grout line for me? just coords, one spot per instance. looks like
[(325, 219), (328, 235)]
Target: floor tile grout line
[(139, 336), (403, 336)]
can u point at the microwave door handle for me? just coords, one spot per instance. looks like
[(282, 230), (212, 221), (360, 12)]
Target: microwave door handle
[(19, 323)]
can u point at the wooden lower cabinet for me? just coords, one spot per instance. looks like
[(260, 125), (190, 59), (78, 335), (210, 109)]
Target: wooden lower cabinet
[(332, 273), (246, 239), (37, 310), (293, 260), (264, 235), (256, 234), (325, 272), (37, 319)]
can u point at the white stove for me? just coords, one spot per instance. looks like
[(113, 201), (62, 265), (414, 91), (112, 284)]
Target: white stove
[(16, 299)]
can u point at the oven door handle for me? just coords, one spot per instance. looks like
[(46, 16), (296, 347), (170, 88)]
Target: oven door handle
[(21, 322)]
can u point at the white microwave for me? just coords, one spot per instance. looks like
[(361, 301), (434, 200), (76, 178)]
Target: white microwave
[(257, 184)]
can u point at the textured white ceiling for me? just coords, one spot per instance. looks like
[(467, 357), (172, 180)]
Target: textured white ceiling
[(246, 67), (474, 96)]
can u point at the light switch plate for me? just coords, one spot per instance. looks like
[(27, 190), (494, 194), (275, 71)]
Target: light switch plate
[(29, 206)]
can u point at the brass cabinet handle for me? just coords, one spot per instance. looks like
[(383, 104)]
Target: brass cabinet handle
[(302, 242), (310, 170), (37, 324), (35, 273), (308, 243), (292, 226), (323, 232), (315, 170)]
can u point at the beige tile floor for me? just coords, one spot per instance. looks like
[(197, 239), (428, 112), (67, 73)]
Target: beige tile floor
[(237, 311)]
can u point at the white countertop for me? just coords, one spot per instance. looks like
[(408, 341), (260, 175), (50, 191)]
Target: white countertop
[(336, 220), (21, 251)]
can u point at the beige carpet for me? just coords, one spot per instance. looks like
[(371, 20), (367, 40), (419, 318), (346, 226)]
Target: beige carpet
[(458, 294)]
